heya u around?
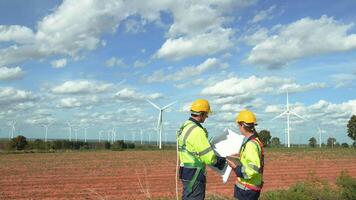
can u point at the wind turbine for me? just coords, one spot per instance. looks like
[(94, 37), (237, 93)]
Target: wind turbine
[(141, 135), (149, 138), (160, 124), (113, 135), (133, 137), (100, 135), (288, 112), (76, 133), (12, 124), (320, 132), (70, 130), (46, 126), (85, 133)]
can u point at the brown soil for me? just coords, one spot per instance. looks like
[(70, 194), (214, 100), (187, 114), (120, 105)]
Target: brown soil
[(142, 174)]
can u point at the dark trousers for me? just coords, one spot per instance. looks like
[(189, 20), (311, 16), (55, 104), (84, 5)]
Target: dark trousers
[(197, 193), (241, 194)]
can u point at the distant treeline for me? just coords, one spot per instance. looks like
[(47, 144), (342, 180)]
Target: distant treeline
[(20, 143)]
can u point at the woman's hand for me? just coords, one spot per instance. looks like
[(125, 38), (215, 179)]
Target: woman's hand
[(231, 163), (233, 160)]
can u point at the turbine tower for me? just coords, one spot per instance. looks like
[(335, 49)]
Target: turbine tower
[(70, 130), (100, 132), (320, 132), (141, 135), (288, 112), (113, 135), (160, 124), (12, 124), (85, 133), (46, 126)]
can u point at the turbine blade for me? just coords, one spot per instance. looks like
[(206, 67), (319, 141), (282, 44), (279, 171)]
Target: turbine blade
[(154, 105), (287, 100), (168, 105), (293, 113), (280, 115)]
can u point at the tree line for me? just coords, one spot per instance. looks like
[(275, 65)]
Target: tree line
[(269, 141)]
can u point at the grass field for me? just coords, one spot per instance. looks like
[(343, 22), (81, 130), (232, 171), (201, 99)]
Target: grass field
[(149, 174)]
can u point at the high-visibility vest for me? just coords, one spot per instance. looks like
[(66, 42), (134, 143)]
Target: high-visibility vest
[(194, 148), (252, 161)]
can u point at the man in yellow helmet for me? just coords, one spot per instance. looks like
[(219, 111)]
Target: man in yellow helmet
[(249, 164), (195, 152)]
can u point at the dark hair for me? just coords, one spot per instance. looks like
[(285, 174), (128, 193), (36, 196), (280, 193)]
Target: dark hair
[(249, 127)]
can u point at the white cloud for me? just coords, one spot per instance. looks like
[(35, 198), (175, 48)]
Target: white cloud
[(343, 80), (18, 34), (60, 63), (128, 94), (138, 63), (322, 112), (112, 62), (231, 108), (64, 33), (186, 107), (251, 85), (75, 102), (273, 109), (194, 34), (135, 26), (254, 37), (81, 87), (9, 96), (239, 99), (202, 44), (293, 87), (186, 72), (264, 15), (70, 102), (7, 73), (40, 120), (197, 81), (305, 37)]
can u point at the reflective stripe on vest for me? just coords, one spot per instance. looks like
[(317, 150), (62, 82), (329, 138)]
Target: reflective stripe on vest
[(240, 183), (188, 133), (182, 148), (197, 164), (254, 167), (262, 159), (245, 186)]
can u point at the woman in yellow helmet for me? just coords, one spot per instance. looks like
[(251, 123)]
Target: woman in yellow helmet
[(248, 164)]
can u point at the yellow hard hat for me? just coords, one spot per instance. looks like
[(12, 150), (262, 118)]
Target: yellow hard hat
[(200, 105), (246, 116)]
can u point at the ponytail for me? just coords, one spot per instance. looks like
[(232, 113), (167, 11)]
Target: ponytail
[(250, 127)]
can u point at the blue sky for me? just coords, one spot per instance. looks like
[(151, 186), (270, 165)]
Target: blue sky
[(93, 64)]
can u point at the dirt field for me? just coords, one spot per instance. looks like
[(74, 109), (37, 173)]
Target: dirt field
[(142, 174)]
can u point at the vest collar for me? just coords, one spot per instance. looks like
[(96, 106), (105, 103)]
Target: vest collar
[(196, 122)]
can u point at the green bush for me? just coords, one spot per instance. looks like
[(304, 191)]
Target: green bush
[(345, 145), (118, 145), (316, 190), (347, 186), (37, 144)]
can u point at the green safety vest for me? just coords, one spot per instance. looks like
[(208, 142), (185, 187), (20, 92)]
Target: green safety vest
[(194, 149), (252, 161)]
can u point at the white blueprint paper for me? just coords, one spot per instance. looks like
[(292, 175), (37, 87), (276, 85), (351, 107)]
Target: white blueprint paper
[(224, 145)]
